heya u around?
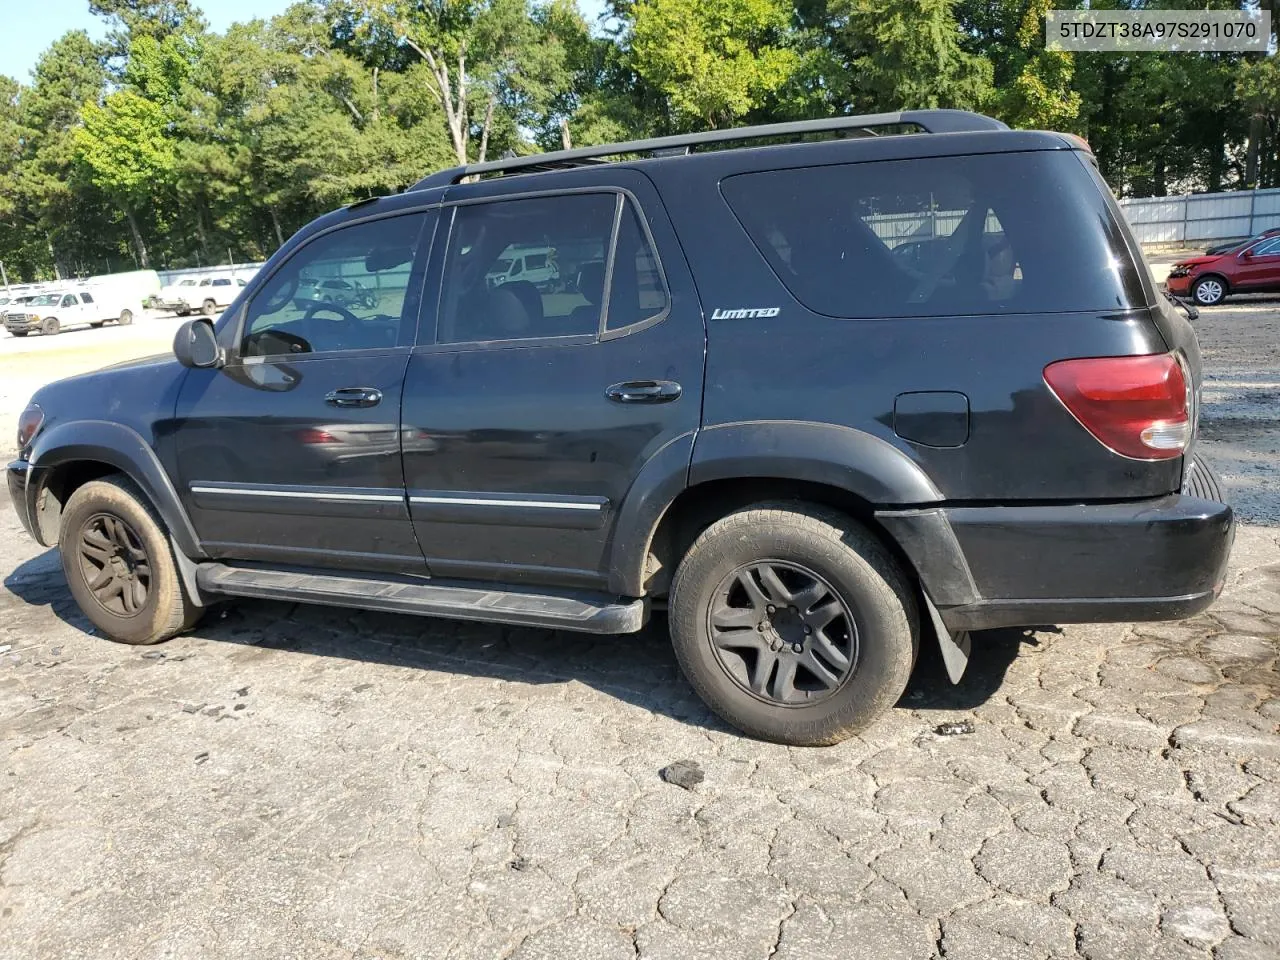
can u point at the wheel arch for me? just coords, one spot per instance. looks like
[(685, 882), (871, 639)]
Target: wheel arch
[(71, 454), (734, 465), (1212, 275)]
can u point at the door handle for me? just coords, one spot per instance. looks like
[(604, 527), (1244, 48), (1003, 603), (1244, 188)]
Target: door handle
[(644, 391), (354, 397)]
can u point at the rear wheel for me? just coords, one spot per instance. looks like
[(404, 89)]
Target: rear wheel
[(1209, 291), (125, 318), (793, 623), (50, 326), (119, 564)]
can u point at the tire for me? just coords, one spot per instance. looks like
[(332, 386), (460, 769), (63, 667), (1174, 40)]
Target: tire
[(125, 318), (209, 308), (19, 333), (819, 558), (1209, 290), (50, 327), (1201, 481), (110, 520), (97, 323), (184, 311)]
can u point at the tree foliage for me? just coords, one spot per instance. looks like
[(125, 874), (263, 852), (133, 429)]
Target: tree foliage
[(175, 145)]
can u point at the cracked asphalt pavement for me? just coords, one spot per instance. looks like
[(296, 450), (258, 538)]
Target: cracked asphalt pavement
[(312, 782)]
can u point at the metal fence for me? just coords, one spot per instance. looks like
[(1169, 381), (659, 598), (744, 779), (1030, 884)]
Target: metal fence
[(1202, 217)]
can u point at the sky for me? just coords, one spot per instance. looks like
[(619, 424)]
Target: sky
[(27, 27)]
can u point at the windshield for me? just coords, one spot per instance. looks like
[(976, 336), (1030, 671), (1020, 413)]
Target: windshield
[(501, 265), (45, 300)]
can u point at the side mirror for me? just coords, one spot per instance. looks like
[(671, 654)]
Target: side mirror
[(196, 344), (1246, 254)]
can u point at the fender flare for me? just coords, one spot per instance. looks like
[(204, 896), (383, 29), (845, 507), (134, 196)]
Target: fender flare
[(865, 465), (123, 448), (654, 489), (852, 460)]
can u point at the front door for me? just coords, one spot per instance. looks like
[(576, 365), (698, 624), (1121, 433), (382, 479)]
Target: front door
[(291, 452), (537, 405), (1261, 269)]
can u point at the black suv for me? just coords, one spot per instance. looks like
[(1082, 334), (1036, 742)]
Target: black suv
[(817, 398)]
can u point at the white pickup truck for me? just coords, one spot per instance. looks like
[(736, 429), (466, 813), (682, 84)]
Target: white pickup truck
[(52, 312)]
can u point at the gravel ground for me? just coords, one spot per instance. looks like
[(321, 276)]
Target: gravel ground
[(312, 782)]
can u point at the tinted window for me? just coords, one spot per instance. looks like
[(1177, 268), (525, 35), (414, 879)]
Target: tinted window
[(1267, 248), (68, 301), (481, 301), (294, 313), (222, 283), (86, 298), (638, 291), (993, 234)]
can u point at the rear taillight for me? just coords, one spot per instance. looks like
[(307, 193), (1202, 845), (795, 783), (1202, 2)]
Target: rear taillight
[(28, 425), (1138, 407)]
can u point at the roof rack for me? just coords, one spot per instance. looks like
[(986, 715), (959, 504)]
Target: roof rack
[(930, 121)]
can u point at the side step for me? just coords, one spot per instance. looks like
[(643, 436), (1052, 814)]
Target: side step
[(571, 610)]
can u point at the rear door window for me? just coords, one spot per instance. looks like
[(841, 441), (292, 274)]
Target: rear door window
[(985, 234)]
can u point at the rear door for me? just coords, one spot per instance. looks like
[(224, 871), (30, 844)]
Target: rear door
[(531, 408)]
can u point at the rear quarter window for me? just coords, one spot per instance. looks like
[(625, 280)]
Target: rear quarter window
[(942, 236)]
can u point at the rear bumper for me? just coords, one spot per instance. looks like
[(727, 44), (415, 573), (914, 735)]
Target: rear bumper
[(986, 567)]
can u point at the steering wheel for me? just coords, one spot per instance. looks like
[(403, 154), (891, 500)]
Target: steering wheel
[(344, 328)]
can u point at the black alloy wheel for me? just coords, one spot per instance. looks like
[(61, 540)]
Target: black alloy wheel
[(115, 565), (782, 633)]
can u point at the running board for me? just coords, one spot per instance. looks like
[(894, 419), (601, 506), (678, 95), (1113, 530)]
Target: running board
[(570, 610)]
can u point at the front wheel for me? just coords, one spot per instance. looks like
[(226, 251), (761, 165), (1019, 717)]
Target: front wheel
[(209, 308), (793, 623), (1209, 291), (50, 326), (119, 564), (125, 318)]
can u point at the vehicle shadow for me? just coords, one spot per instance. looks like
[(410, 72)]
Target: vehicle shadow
[(639, 669)]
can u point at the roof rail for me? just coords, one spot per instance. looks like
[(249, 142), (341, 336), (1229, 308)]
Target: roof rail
[(930, 121)]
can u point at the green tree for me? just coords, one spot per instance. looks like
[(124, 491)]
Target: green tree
[(905, 54), (126, 150), (714, 62), (64, 218), (1258, 87), (1041, 95)]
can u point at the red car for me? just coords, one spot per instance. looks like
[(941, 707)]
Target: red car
[(1253, 268)]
